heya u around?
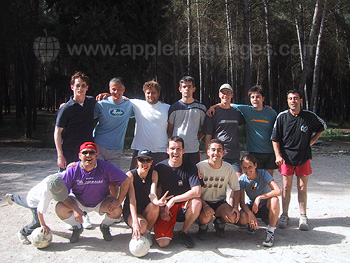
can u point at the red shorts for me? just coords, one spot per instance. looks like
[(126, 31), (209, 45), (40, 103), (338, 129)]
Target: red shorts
[(301, 170), (165, 229)]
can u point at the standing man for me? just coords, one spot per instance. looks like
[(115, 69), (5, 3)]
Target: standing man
[(74, 122), (186, 117), (151, 117), (224, 126), (294, 132), (217, 176), (180, 180), (88, 182), (113, 116)]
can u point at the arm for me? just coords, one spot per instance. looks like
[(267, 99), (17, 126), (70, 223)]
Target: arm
[(275, 191), (234, 201), (276, 149), (252, 221), (211, 111), (102, 96), (170, 128), (195, 192), (124, 188), (208, 211), (133, 211), (207, 140), (153, 194), (45, 229), (61, 161), (315, 137)]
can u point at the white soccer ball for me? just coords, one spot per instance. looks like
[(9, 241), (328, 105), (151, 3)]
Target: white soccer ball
[(39, 239), (139, 247)]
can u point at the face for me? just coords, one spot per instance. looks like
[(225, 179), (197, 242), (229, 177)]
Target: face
[(144, 164), (257, 100), (249, 168), (186, 89), (88, 158), (79, 88), (294, 101), (215, 152), (175, 151), (117, 90), (225, 95), (151, 95)]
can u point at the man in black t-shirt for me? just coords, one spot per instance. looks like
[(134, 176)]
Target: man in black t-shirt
[(294, 132)]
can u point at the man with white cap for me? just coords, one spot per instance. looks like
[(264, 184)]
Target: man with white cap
[(38, 200)]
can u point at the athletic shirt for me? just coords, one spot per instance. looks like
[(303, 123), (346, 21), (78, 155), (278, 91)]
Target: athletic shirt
[(113, 119), (90, 188), (151, 126), (217, 180), (259, 128), (177, 180), (77, 122), (294, 135), (224, 126), (187, 120), (142, 191), (256, 187)]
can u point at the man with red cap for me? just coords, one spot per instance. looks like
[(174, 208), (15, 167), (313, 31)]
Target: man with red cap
[(88, 182)]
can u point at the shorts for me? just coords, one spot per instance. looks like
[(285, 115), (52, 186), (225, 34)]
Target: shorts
[(236, 164), (165, 229), (112, 156), (300, 170), (216, 205), (88, 209), (265, 160), (263, 211)]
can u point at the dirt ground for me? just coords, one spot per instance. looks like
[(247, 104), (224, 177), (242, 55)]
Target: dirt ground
[(326, 241)]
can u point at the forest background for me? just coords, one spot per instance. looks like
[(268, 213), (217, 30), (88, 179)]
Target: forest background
[(280, 45)]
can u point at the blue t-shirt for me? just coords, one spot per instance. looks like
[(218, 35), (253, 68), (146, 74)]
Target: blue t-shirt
[(259, 128), (256, 187), (113, 119)]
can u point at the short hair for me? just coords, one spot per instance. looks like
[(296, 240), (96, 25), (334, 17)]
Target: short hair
[(81, 75), (116, 80), (293, 91), (249, 157), (151, 84), (256, 89), (176, 139), (216, 141), (187, 79)]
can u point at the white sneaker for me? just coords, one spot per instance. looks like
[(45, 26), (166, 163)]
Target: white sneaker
[(303, 223), (23, 239), (86, 222), (8, 198)]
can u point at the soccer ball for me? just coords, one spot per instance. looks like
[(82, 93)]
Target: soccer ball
[(39, 239), (139, 247)]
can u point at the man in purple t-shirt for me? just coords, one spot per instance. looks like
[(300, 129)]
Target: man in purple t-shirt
[(88, 182)]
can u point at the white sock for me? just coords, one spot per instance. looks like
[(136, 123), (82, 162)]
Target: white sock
[(71, 221), (107, 221), (271, 229)]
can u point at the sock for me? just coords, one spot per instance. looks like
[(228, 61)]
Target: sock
[(71, 221), (107, 221), (271, 229), (203, 227)]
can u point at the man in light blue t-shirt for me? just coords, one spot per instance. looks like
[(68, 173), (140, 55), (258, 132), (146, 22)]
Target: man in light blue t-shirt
[(113, 116)]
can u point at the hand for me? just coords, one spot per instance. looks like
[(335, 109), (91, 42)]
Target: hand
[(253, 222), (45, 229), (136, 230), (72, 164), (102, 96), (78, 217), (238, 214), (211, 111), (256, 204), (163, 200), (279, 160), (61, 105), (125, 98), (165, 214), (61, 162), (114, 203), (170, 203), (268, 107), (208, 211)]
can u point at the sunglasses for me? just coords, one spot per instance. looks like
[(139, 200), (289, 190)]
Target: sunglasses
[(82, 85), (88, 152), (144, 160)]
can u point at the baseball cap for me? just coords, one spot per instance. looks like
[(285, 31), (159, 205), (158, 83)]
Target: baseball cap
[(57, 187), (225, 86), (88, 145), (144, 153)]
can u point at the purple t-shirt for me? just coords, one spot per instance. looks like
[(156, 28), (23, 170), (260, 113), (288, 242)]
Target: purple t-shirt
[(90, 188)]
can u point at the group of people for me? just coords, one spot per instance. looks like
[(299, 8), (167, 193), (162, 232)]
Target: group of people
[(167, 182)]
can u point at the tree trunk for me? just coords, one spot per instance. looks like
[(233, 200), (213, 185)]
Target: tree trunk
[(247, 50), (189, 29), (199, 54), (230, 46)]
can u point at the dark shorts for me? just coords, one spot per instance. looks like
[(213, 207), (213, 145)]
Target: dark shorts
[(265, 160), (192, 157), (263, 211), (215, 205)]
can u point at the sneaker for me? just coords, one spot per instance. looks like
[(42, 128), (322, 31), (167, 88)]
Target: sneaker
[(106, 233), (149, 237), (186, 239), (76, 234), (283, 221), (86, 222), (251, 230), (269, 239), (202, 232), (22, 238), (9, 199), (303, 223), (219, 228)]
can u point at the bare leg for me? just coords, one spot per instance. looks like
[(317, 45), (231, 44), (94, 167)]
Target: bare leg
[(193, 210), (287, 189), (151, 214), (302, 193), (274, 210)]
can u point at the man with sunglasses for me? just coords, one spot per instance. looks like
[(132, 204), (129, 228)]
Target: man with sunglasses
[(88, 182), (74, 122)]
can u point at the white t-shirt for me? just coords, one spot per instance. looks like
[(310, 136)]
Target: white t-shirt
[(217, 180), (151, 126), (40, 196)]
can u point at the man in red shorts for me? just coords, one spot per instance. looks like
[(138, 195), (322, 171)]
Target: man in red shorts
[(179, 184), (294, 132)]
